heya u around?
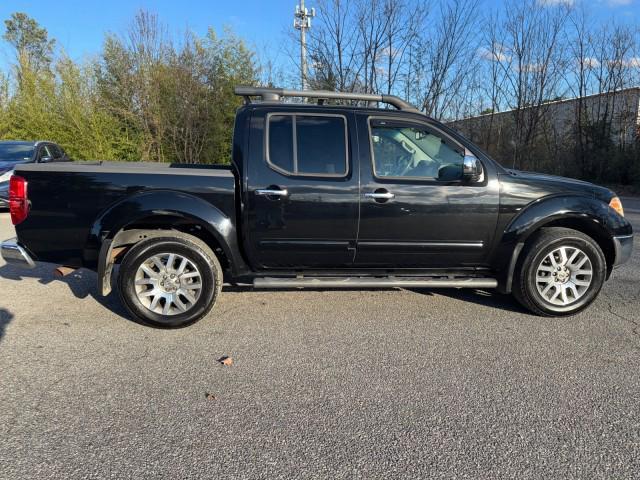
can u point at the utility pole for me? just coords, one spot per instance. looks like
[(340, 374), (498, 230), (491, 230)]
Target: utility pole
[(302, 21)]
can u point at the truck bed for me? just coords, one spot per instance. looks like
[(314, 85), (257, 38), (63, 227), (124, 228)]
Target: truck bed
[(67, 199), (134, 167)]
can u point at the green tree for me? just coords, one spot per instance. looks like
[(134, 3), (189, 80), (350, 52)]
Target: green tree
[(128, 82), (229, 63), (146, 97), (30, 40), (178, 97)]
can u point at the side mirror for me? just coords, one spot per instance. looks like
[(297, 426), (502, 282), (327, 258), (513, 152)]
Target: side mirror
[(472, 169), (46, 160)]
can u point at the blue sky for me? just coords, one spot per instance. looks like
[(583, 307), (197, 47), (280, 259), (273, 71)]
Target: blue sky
[(79, 26)]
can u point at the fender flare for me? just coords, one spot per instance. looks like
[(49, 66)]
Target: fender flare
[(592, 214), (107, 231)]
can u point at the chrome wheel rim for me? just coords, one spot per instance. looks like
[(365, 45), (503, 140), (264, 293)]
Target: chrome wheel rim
[(168, 284), (564, 276)]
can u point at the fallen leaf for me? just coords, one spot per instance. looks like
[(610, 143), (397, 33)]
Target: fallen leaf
[(226, 361)]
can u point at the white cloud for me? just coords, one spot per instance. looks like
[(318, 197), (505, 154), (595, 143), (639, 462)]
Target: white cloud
[(495, 54), (532, 67), (633, 62), (591, 62)]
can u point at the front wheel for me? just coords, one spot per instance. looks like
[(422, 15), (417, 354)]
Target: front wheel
[(169, 282), (561, 273)]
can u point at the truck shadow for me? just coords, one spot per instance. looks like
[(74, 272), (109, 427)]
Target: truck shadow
[(486, 298), (81, 282), (5, 318)]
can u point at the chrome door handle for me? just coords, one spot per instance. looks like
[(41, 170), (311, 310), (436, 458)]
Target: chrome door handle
[(380, 195), (272, 192)]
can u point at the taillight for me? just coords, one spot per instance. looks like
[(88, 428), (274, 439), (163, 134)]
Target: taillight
[(18, 202)]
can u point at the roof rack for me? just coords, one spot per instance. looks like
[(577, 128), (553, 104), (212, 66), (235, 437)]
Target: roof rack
[(275, 94)]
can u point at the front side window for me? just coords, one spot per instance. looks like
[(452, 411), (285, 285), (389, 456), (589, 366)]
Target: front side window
[(412, 151), (308, 144)]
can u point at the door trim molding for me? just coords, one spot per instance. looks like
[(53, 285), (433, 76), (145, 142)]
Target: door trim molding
[(420, 245)]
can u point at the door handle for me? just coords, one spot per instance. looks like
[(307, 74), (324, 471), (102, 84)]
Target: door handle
[(380, 195), (268, 192)]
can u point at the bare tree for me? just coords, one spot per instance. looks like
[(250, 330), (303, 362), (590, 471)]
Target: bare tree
[(492, 81), (403, 27), (580, 71), (532, 63), (363, 45), (333, 47), (445, 57)]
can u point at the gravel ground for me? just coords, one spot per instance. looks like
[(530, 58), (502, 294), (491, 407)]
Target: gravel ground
[(324, 384)]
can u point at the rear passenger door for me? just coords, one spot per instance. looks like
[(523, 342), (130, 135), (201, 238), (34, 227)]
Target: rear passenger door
[(302, 189)]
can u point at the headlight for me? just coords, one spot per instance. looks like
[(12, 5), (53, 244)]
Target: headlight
[(616, 204), (4, 177)]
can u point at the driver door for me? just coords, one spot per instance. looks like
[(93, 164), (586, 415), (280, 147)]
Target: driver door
[(416, 209)]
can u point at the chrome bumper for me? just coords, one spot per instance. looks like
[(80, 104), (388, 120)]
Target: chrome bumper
[(14, 254), (623, 247)]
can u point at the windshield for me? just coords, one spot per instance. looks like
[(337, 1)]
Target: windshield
[(15, 152)]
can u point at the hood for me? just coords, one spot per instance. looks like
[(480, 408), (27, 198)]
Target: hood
[(6, 166), (556, 184)]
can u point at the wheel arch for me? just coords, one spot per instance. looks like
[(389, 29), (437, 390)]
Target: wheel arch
[(146, 216), (587, 215)]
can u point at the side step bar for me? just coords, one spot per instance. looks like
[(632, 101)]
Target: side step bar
[(373, 282)]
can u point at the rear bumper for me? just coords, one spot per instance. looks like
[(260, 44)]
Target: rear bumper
[(623, 247), (14, 254)]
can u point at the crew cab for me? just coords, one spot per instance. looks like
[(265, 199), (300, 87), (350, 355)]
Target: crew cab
[(321, 195)]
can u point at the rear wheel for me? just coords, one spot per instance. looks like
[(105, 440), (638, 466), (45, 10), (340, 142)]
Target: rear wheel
[(561, 273), (170, 282)]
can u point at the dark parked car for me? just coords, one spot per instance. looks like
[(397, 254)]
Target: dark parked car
[(321, 196), (14, 153)]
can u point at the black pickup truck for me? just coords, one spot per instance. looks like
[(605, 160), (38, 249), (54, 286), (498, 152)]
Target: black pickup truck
[(321, 195)]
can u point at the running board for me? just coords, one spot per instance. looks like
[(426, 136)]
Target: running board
[(373, 282)]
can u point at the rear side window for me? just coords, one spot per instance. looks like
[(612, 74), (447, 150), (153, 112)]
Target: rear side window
[(308, 144), (44, 152), (281, 142)]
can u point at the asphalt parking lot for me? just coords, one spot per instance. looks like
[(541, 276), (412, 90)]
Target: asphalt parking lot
[(324, 384)]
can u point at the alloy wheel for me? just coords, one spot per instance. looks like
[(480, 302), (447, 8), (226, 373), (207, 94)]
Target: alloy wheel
[(168, 284), (564, 276)]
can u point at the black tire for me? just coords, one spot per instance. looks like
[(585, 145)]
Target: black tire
[(187, 246), (525, 288)]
